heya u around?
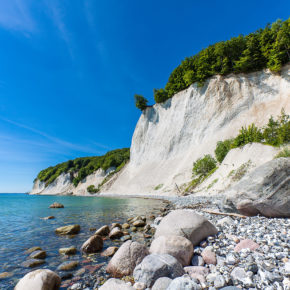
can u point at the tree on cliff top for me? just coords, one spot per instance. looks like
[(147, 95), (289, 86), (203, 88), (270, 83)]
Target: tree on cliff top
[(140, 102)]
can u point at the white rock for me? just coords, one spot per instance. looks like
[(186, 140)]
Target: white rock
[(116, 284)]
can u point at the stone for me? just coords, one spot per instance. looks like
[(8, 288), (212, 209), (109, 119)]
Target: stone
[(197, 260), (176, 246), (115, 233), (161, 283), (38, 255), (116, 284), (139, 286), (186, 223), (209, 256), (68, 230), (109, 252), (230, 288), (219, 281), (33, 249), (56, 205), (31, 263), (155, 266), (232, 259), (116, 225), (103, 231), (264, 191), (126, 238), (125, 226), (246, 244), (133, 229), (225, 221), (128, 256), (287, 268), (139, 223), (196, 270), (5, 275), (51, 217), (239, 275), (68, 251), (42, 279), (67, 266), (93, 245), (183, 283)]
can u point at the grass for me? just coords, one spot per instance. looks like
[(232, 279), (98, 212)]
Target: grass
[(241, 171), (158, 186), (283, 153)]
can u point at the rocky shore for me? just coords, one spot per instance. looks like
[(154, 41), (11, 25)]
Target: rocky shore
[(188, 246)]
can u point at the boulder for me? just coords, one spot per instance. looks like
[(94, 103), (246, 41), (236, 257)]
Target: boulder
[(93, 245), (116, 284), (67, 266), (126, 258), (68, 230), (183, 283), (103, 231), (115, 233), (155, 266), (42, 279), (68, 251), (56, 205), (38, 254), (161, 283), (139, 223), (186, 223), (176, 246), (109, 252), (31, 263), (263, 191), (51, 217)]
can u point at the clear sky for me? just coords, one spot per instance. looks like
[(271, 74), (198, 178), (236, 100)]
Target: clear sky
[(69, 70)]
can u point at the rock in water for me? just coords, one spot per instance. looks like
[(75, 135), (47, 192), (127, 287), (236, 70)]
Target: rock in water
[(156, 266), (263, 191), (67, 266), (68, 230), (126, 258), (68, 251), (56, 205), (186, 223), (103, 231), (42, 279), (176, 246), (38, 254), (93, 245), (31, 263), (115, 233), (109, 252), (116, 284)]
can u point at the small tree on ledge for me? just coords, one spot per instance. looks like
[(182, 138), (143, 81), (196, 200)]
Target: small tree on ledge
[(140, 102)]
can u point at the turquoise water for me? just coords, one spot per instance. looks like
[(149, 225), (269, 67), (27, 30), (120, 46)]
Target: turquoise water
[(21, 226)]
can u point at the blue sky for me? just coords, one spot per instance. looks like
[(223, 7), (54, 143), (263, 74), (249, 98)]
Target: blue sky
[(69, 70)]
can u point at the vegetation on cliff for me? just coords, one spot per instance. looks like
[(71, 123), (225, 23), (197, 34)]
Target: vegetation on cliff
[(82, 167)]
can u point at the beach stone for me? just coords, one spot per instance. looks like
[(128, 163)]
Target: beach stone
[(68, 251), (116, 284), (103, 231), (126, 258), (219, 281), (161, 283), (126, 238), (42, 279), (176, 246), (197, 261), (139, 286), (48, 217), (109, 252), (246, 244), (125, 226), (196, 270), (209, 256), (38, 254), (56, 205), (226, 221), (258, 191), (67, 266), (232, 259), (139, 223), (239, 275), (186, 223), (31, 263), (5, 275), (183, 283), (230, 288), (134, 229), (33, 249), (93, 245), (115, 233), (155, 266), (68, 230), (116, 225)]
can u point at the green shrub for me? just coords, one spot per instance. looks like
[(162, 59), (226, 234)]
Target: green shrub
[(222, 149), (92, 189), (247, 135), (140, 102), (158, 186), (203, 166), (160, 95), (283, 153)]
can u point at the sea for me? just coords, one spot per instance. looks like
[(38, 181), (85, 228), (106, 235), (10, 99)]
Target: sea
[(22, 227)]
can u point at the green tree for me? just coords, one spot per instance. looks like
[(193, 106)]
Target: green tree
[(222, 149), (203, 166), (140, 102), (247, 135), (160, 95)]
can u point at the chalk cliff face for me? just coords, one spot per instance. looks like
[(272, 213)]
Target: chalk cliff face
[(169, 137)]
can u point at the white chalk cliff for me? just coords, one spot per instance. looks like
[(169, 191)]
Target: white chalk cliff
[(169, 137)]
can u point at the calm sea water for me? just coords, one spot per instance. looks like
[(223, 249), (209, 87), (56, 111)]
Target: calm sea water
[(21, 226)]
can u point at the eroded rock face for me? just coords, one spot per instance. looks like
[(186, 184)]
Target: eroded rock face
[(93, 245), (42, 279), (116, 284), (126, 258), (68, 230), (186, 223), (155, 266), (264, 191), (176, 246)]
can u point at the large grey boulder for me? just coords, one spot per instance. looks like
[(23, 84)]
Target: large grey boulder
[(116, 284), (264, 191), (186, 223), (183, 283), (126, 258), (179, 247), (42, 279), (155, 266)]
